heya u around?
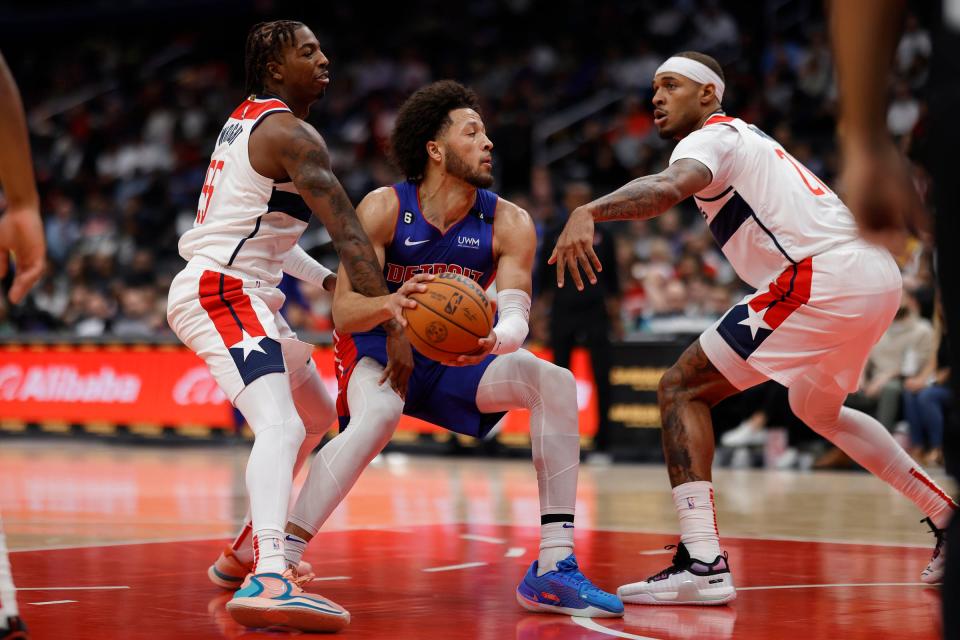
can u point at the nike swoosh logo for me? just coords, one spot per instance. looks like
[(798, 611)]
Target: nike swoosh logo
[(567, 525), (410, 243)]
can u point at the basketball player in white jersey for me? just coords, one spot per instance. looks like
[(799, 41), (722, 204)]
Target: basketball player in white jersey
[(269, 171), (823, 298), (21, 239)]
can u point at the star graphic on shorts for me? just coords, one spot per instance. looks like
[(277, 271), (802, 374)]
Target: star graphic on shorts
[(754, 320), (248, 344)]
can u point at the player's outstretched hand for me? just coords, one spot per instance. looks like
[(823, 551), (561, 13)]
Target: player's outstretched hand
[(22, 234), (400, 300), (484, 347), (878, 188), (399, 363), (574, 250)]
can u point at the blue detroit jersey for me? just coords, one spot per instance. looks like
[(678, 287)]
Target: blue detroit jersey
[(445, 396), (420, 247)]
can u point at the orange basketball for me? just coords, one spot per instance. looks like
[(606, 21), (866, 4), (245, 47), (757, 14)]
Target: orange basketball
[(451, 315)]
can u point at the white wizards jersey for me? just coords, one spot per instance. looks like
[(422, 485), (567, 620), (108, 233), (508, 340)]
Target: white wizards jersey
[(246, 223), (766, 210)]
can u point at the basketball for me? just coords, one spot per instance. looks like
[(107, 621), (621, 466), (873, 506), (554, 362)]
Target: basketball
[(451, 315)]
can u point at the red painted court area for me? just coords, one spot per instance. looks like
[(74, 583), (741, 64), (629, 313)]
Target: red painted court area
[(411, 582)]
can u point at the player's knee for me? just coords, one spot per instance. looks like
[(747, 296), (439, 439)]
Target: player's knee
[(557, 380), (668, 389), (550, 380), (294, 431), (819, 411)]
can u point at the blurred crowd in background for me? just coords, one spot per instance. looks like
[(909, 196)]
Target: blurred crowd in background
[(124, 111)]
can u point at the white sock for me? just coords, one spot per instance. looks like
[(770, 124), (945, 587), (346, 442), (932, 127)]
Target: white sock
[(698, 519), (820, 405), (268, 551), (868, 443), (293, 548), (556, 543)]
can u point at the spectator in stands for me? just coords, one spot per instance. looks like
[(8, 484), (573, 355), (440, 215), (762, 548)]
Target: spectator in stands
[(926, 397)]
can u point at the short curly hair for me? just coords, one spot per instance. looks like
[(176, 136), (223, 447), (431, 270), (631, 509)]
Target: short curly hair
[(422, 118)]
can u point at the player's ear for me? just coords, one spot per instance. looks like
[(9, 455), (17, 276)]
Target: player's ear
[(273, 70), (433, 150), (708, 94)]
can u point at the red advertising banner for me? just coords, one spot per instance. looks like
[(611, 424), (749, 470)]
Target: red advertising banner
[(170, 386)]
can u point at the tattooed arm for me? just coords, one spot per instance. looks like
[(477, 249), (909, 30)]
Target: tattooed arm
[(643, 198), (282, 147)]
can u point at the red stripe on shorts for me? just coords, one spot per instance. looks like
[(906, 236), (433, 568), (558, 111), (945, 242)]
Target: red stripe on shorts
[(786, 294), (222, 297), (345, 357)]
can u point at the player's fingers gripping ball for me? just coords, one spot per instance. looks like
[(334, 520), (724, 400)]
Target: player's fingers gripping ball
[(450, 316)]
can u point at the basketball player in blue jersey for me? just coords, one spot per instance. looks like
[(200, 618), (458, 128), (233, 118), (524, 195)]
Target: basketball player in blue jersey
[(443, 219)]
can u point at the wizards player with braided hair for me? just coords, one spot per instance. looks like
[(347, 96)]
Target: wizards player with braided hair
[(269, 172)]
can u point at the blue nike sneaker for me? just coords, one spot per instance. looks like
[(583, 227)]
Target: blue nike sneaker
[(566, 591)]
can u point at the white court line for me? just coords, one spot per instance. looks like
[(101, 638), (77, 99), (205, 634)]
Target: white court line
[(655, 552), (514, 552), (229, 535), (52, 602), (454, 567), (476, 538), (98, 588), (838, 585), (588, 623), (326, 578), (124, 543), (675, 532)]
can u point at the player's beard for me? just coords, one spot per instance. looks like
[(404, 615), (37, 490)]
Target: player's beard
[(460, 169)]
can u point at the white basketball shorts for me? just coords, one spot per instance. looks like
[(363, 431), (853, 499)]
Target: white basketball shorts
[(820, 317), (234, 325)]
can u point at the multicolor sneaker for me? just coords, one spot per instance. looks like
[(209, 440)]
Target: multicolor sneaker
[(686, 581), (271, 599), (228, 572), (566, 591), (934, 571)]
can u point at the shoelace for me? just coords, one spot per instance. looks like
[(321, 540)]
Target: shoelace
[(940, 534), (674, 567), (569, 567), (291, 575)]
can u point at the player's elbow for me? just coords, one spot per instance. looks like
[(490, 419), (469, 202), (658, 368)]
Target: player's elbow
[(671, 191), (343, 321)]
